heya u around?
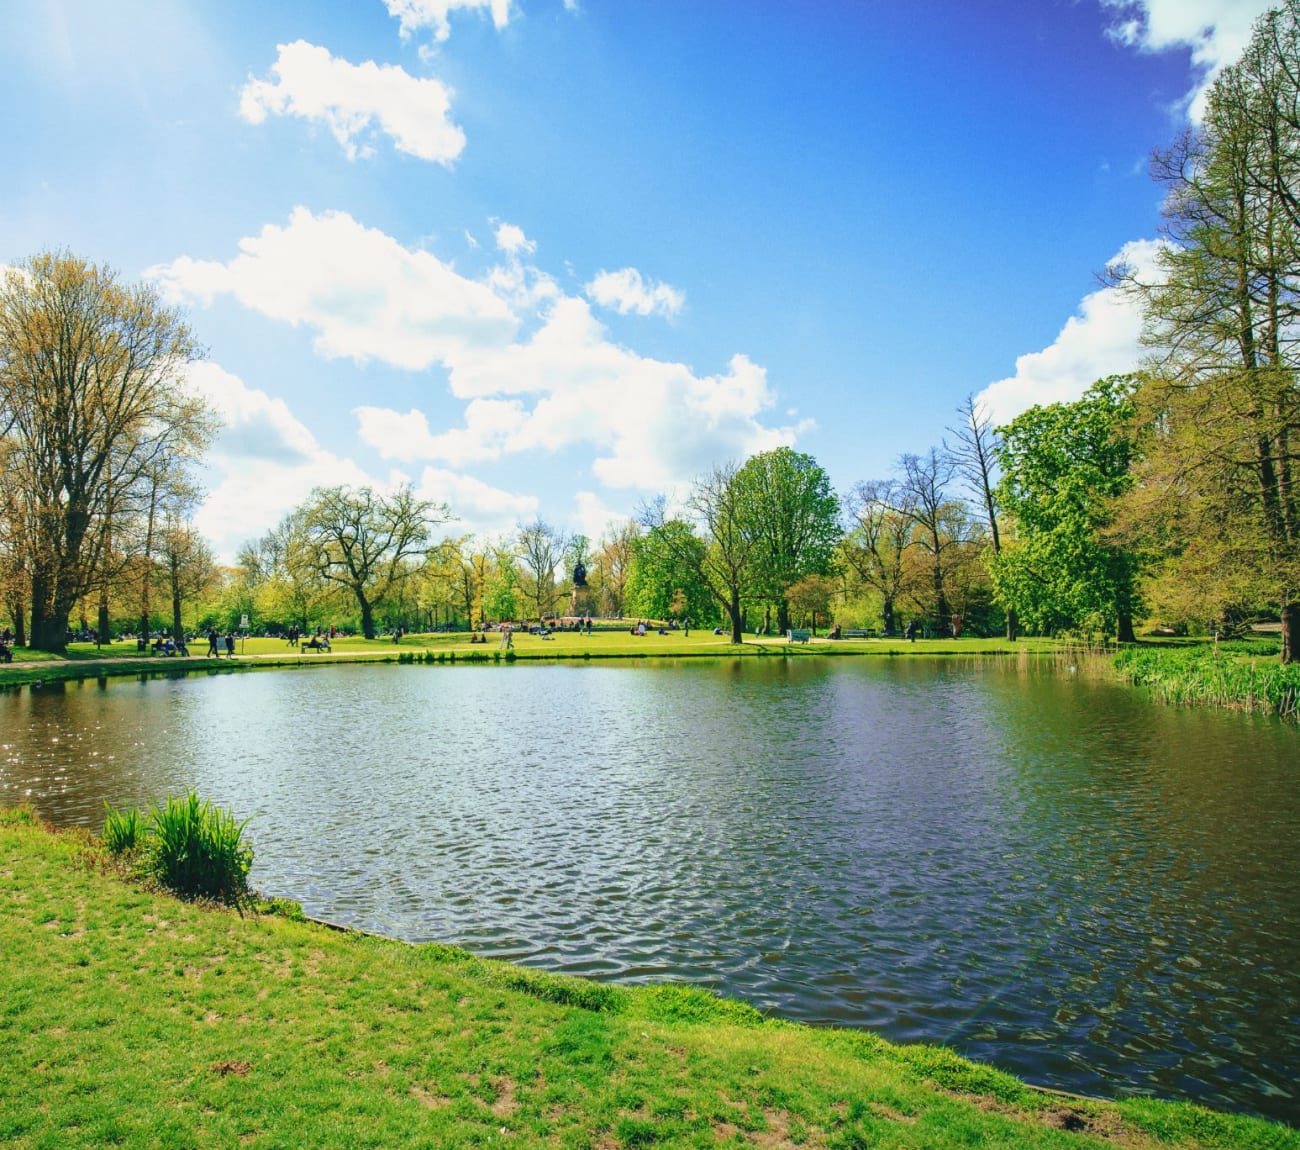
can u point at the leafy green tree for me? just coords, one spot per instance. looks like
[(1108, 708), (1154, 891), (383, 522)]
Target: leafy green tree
[(1218, 486), (664, 577), (791, 512), (875, 548), (1063, 466)]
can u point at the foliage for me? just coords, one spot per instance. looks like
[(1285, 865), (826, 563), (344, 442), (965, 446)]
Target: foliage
[(664, 579), (363, 541), (541, 548), (197, 849), (1218, 677), (790, 511), (124, 830), (1217, 492), (93, 413), (1063, 465)]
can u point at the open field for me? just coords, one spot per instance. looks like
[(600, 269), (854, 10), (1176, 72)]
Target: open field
[(131, 1018)]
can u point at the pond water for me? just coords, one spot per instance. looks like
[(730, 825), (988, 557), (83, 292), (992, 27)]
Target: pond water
[(1047, 873)]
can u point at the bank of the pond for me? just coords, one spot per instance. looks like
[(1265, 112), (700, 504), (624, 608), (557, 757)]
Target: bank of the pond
[(134, 1019)]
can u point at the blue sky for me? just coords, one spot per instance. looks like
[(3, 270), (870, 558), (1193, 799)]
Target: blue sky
[(547, 257)]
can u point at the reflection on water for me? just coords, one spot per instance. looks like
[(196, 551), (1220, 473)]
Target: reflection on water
[(1048, 874)]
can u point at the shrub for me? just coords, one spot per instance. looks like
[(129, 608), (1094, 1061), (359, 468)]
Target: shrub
[(197, 849), (124, 830)]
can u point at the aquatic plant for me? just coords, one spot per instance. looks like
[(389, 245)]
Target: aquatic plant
[(197, 849), (124, 830)]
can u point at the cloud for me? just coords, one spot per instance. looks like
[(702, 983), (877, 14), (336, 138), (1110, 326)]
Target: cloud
[(511, 240), (350, 99), (415, 15), (651, 424), (1103, 338), (478, 507), (1216, 32), (366, 295), (626, 291), (407, 438), (594, 517), (261, 465), (254, 426)]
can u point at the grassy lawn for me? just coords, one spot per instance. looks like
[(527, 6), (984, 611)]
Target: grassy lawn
[(84, 660), (130, 1018)]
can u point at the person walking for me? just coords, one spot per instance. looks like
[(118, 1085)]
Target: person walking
[(230, 644)]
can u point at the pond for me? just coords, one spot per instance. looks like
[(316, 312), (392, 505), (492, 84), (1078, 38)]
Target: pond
[(1048, 873)]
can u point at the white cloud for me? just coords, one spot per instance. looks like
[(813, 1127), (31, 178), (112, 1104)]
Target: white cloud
[(1103, 338), (407, 438), (651, 424), (414, 15), (351, 98), (594, 517), (479, 508), (367, 296), (627, 291), (1216, 32), (262, 464), (511, 240)]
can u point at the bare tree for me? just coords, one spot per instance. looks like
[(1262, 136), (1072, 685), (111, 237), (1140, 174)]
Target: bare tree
[(541, 548), (876, 547), (974, 453)]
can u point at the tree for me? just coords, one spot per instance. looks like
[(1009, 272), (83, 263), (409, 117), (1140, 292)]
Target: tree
[(718, 505), (91, 398), (613, 562), (541, 547), (875, 548), (361, 541), (791, 512), (1221, 396), (923, 497), (974, 455), (811, 596), (189, 565), (665, 579), (1063, 467)]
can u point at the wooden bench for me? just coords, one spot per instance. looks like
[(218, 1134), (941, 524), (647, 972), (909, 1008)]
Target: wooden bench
[(798, 636), (315, 647), (859, 634)]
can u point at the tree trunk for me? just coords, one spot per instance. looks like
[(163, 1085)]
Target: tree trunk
[(367, 616), (101, 623), (40, 604), (19, 611), (1124, 632), (782, 617), (1291, 633), (887, 616), (733, 612), (1013, 624)]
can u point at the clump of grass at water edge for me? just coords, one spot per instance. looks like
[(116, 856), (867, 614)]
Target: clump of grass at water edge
[(187, 845), (1204, 676)]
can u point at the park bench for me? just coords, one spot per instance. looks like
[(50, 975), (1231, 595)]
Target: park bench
[(859, 634), (315, 647), (795, 636)]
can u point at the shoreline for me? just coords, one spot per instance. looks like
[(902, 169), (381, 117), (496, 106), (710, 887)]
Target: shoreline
[(150, 1017)]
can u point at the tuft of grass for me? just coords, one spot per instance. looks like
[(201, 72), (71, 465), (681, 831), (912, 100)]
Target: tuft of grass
[(197, 849), (1202, 676), (124, 830)]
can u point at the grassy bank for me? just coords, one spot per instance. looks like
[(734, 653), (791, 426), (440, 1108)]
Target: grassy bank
[(1240, 676), (86, 661), (130, 1018)]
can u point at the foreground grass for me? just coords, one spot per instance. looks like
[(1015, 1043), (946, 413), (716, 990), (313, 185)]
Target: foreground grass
[(130, 1018)]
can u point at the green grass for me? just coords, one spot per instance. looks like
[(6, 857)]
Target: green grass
[(128, 1018), (1233, 676)]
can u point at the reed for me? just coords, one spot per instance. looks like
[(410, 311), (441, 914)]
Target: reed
[(1217, 678), (197, 849), (124, 830)]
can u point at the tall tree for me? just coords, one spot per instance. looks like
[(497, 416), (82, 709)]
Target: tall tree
[(924, 497), (1221, 397), (189, 567), (876, 546), (665, 578), (792, 513), (973, 451), (1063, 468), (541, 548), (362, 541), (91, 397)]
